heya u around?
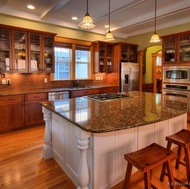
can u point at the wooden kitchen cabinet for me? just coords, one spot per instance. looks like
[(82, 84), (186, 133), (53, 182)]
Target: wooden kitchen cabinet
[(41, 53), (114, 89), (83, 92), (175, 48), (20, 51), (33, 109), (102, 90), (103, 57), (12, 112), (5, 50), (147, 87), (124, 52), (26, 51)]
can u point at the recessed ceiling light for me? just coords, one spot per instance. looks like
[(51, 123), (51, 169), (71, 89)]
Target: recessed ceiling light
[(30, 7), (106, 26), (74, 18)]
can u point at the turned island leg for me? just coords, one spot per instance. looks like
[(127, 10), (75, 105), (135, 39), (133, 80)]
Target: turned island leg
[(47, 148), (83, 171)]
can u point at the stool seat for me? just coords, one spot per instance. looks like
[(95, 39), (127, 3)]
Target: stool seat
[(145, 160), (182, 140)]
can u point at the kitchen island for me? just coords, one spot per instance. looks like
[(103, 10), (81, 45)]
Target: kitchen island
[(88, 138)]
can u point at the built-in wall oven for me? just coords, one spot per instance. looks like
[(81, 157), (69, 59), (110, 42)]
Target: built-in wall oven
[(176, 90), (176, 74)]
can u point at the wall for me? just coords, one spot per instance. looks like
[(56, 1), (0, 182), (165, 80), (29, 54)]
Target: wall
[(60, 31), (143, 39), (27, 82), (36, 81), (147, 77)]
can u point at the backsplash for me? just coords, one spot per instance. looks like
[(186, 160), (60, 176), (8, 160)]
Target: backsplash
[(21, 82)]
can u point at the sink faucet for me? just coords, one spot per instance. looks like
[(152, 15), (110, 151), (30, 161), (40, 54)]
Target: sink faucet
[(77, 83)]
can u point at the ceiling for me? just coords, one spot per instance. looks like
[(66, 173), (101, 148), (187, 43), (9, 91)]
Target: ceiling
[(128, 17)]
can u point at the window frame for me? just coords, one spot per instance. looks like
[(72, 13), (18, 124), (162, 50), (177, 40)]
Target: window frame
[(62, 42)]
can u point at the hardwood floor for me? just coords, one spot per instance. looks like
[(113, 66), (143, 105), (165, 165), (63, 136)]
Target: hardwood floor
[(22, 165)]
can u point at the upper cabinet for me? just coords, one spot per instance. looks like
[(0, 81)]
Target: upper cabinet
[(20, 53), (103, 57), (176, 48), (107, 56), (5, 50), (48, 53), (124, 52), (26, 51)]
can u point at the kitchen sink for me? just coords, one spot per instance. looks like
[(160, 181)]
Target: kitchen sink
[(82, 87)]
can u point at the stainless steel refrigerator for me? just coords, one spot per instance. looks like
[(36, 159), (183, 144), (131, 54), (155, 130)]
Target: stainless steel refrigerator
[(129, 76)]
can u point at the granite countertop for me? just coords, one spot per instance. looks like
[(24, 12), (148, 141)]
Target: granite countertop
[(137, 110), (18, 92)]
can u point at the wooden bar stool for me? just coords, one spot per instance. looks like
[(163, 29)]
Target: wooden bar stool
[(147, 159), (182, 140)]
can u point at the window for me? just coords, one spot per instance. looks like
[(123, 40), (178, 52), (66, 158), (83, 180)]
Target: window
[(68, 67), (62, 62), (82, 64)]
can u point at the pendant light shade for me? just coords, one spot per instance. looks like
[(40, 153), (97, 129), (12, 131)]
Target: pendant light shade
[(87, 22), (155, 38), (109, 35)]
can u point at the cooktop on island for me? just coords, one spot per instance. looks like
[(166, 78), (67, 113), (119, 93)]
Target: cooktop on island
[(107, 96)]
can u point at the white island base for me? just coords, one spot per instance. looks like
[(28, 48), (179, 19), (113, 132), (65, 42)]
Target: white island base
[(96, 160)]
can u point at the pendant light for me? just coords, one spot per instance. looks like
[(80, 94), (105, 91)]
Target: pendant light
[(87, 22), (109, 35), (155, 38)]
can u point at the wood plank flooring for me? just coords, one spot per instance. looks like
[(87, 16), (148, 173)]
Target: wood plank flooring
[(22, 165)]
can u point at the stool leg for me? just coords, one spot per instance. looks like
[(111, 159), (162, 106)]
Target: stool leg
[(178, 158), (187, 159), (147, 180), (163, 172), (127, 176), (170, 174)]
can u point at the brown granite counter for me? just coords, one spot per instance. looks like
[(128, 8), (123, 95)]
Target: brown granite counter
[(137, 110)]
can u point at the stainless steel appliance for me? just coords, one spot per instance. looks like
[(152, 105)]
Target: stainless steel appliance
[(58, 95), (176, 90), (176, 74), (129, 76), (107, 96)]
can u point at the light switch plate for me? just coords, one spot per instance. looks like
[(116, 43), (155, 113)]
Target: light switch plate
[(3, 81)]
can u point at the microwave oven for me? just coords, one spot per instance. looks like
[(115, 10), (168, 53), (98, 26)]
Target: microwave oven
[(176, 74)]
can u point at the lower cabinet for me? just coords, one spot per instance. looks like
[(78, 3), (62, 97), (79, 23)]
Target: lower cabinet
[(147, 87), (11, 112), (83, 92), (33, 109), (114, 89), (19, 111)]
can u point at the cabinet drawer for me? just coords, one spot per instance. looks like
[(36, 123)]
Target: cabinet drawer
[(112, 89), (36, 96), (11, 99)]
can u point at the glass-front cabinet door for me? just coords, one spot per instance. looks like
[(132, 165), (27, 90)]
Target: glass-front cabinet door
[(132, 54), (102, 57), (184, 48), (48, 42), (169, 49), (35, 60), (109, 57), (20, 58), (5, 51)]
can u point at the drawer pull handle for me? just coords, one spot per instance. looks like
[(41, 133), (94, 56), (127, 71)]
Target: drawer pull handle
[(36, 96)]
